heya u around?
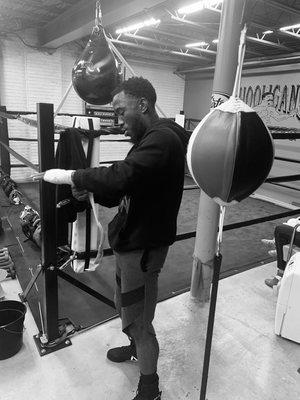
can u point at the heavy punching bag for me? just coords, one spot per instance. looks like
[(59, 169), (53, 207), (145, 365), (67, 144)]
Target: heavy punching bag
[(95, 73), (230, 153)]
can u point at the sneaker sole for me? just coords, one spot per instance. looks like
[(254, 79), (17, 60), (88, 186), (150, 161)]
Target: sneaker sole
[(132, 360)]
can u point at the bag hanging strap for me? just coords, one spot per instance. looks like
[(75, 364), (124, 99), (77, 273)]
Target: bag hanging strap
[(101, 230), (88, 209), (242, 49)]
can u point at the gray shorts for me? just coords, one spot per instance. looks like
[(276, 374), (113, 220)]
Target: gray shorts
[(137, 285)]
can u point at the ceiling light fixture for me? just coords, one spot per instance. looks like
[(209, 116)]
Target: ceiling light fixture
[(197, 44), (135, 27), (267, 32), (215, 41), (200, 5)]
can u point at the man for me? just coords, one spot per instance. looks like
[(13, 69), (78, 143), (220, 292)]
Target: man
[(282, 236), (148, 187)]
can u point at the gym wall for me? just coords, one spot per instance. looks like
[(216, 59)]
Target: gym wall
[(197, 97), (29, 76), (169, 87), (283, 81)]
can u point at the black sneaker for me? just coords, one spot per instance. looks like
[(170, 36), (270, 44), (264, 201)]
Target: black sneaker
[(124, 353), (140, 396), (271, 282), (148, 392)]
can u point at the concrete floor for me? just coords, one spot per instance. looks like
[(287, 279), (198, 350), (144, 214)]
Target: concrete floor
[(248, 361)]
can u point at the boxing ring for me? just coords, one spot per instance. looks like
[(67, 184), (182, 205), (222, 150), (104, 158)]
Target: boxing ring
[(59, 308)]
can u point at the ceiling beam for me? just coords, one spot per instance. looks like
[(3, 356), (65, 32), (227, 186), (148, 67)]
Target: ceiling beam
[(249, 38), (171, 61), (200, 50), (259, 62), (162, 51), (178, 36), (151, 40), (79, 20), (281, 7), (170, 34), (294, 32), (196, 25), (190, 39), (276, 31), (268, 43), (161, 43)]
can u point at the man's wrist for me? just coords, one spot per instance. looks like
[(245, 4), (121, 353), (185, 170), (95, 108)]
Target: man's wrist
[(72, 177)]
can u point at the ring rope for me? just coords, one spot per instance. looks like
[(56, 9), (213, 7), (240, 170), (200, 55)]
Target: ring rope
[(29, 121), (19, 157), (107, 130)]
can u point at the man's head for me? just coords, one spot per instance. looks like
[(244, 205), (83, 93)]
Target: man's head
[(134, 103), (268, 98)]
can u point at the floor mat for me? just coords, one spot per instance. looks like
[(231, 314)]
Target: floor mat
[(242, 249)]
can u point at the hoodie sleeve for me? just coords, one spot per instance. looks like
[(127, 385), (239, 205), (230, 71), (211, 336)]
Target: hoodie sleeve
[(110, 184)]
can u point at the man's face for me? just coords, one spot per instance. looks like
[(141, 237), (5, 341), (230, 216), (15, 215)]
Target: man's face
[(130, 116)]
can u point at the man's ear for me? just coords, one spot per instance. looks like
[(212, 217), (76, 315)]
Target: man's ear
[(144, 106)]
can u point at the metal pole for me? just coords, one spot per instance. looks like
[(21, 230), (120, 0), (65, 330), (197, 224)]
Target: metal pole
[(208, 215), (63, 99), (4, 154), (210, 325), (47, 212)]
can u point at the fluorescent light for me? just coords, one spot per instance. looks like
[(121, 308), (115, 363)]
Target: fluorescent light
[(285, 28), (191, 8), (196, 44), (215, 41), (200, 5), (267, 32), (139, 25)]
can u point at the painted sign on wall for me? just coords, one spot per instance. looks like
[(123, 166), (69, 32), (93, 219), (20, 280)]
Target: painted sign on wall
[(276, 98)]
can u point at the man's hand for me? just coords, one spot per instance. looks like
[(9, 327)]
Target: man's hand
[(81, 195), (56, 175)]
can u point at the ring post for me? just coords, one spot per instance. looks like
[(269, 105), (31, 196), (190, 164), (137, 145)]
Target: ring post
[(4, 154), (47, 213)]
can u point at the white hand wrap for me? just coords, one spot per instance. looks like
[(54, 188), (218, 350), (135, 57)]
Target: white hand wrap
[(59, 176)]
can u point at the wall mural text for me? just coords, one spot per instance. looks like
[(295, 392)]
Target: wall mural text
[(275, 104)]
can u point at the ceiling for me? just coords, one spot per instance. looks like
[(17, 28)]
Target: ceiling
[(61, 21)]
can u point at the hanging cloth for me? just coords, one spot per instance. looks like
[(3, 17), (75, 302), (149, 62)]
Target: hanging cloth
[(87, 232)]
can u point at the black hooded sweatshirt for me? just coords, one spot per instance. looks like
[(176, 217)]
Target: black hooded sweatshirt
[(147, 185)]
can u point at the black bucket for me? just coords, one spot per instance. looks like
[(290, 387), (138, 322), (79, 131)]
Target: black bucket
[(12, 314)]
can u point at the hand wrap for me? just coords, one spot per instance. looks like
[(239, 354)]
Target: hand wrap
[(59, 176)]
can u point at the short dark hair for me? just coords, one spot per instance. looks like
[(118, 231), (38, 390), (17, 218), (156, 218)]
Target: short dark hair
[(267, 94), (137, 87)]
